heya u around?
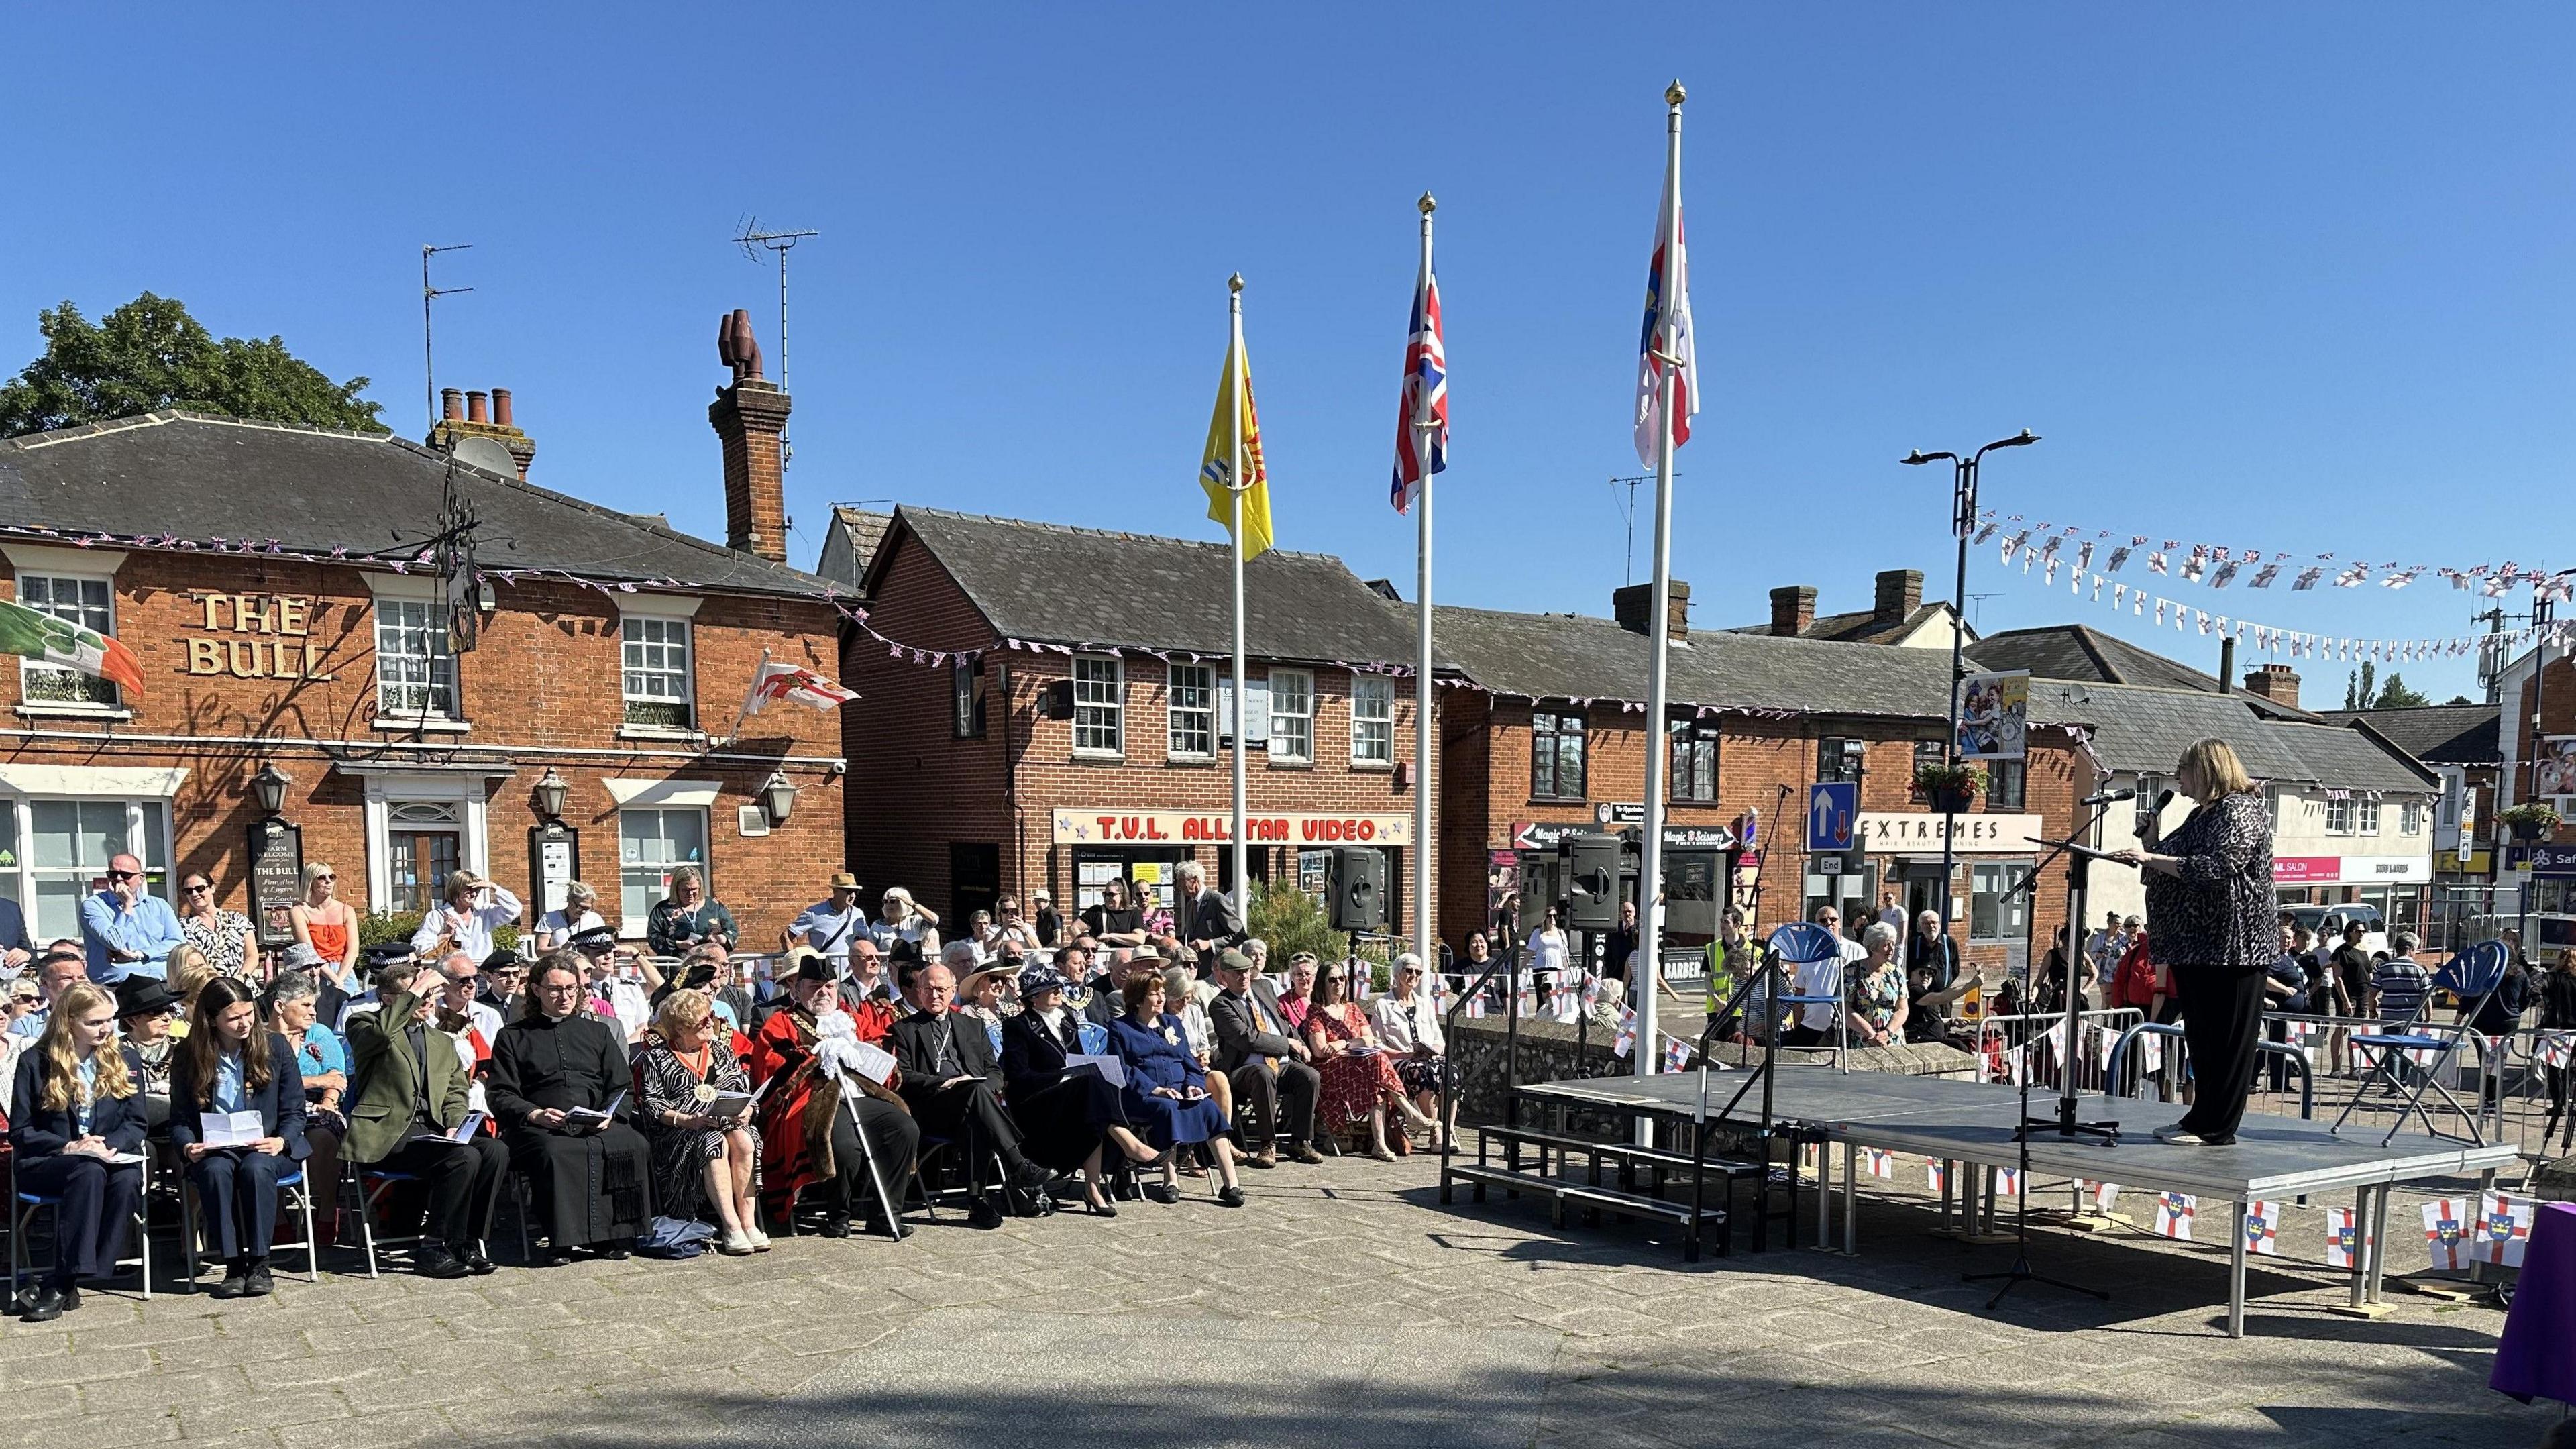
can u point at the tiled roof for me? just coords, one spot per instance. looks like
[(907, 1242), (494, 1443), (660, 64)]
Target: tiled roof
[(2079, 652), (2145, 730), (1576, 656), (201, 477), (1862, 626), (2438, 734)]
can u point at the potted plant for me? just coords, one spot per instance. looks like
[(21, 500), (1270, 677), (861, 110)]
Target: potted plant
[(2529, 821), (1950, 788)]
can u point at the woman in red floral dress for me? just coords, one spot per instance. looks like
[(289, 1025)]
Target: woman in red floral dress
[(1360, 1080)]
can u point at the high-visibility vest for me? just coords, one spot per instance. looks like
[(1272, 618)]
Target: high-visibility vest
[(1721, 971)]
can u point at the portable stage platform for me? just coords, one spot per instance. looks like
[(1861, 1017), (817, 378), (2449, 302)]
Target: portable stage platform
[(2273, 1158)]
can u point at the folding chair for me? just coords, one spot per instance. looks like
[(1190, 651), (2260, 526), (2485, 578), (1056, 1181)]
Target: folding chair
[(298, 1197), (1804, 943), (2473, 975), (23, 1207), (370, 1197)]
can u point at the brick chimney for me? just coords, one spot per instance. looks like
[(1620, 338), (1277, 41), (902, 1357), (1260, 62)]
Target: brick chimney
[(479, 414), (1900, 593), (2278, 683), (1793, 609), (1634, 608), (749, 417)]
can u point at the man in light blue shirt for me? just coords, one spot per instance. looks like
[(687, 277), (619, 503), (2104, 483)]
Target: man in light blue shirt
[(128, 930), (829, 925)]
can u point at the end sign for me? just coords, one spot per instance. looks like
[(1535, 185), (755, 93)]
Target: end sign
[(1833, 814)]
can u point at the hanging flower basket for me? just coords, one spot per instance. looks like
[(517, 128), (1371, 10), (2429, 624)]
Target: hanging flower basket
[(2529, 822), (1950, 788)]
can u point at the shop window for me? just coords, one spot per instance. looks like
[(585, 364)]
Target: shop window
[(415, 675), (1099, 705), (2005, 780), (1190, 712), (1556, 755), (68, 846), (649, 844), (1292, 716), (1994, 912), (2339, 817), (658, 692), (86, 602), (966, 698), (1694, 760), (1372, 721)]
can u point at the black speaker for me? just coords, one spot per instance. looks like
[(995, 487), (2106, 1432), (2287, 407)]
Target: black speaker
[(1592, 882), (1056, 700), (1355, 891)]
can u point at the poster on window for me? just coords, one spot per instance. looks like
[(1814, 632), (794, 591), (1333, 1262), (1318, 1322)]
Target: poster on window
[(2554, 767), (1502, 879), (1994, 716)]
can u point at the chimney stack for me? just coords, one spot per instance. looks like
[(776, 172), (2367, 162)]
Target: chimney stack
[(749, 417), (1900, 593), (467, 416), (2227, 663), (1634, 608), (1793, 609), (2275, 682), (452, 402)]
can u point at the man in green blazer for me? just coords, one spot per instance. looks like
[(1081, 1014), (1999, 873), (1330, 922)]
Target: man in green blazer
[(409, 1113)]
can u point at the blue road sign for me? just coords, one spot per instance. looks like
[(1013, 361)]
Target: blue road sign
[(1833, 814)]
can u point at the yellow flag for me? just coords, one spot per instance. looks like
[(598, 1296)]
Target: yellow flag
[(1216, 466)]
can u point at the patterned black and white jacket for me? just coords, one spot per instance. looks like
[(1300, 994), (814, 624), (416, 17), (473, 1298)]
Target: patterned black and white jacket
[(2219, 911)]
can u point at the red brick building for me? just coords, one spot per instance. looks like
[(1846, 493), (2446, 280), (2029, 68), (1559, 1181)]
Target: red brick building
[(1047, 706), (273, 584), (1547, 738)]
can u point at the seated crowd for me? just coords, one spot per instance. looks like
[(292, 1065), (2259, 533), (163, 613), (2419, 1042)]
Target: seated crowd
[(660, 1103)]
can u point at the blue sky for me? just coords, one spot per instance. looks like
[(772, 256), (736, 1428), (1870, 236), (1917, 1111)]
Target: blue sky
[(2289, 277)]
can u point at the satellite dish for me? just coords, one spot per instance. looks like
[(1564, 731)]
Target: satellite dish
[(488, 455)]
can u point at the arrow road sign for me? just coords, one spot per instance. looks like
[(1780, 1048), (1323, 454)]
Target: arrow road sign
[(1833, 813)]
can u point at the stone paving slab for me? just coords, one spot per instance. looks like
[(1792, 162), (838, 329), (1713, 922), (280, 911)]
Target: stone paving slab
[(1343, 1306)]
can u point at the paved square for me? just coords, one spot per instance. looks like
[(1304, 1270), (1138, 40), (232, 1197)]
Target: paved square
[(1342, 1308)]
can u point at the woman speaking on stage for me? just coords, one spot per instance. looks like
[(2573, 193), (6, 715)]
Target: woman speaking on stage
[(2211, 924)]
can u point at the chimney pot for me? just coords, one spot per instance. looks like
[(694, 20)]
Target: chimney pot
[(749, 417), (501, 406), (474, 409), (1900, 593), (2226, 662), (452, 402), (1634, 607), (2278, 683), (1793, 609)]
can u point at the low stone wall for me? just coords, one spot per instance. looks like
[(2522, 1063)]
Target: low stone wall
[(1552, 1052)]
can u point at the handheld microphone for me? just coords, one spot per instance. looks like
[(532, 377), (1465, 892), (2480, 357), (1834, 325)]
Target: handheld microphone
[(2108, 797), (2156, 822)]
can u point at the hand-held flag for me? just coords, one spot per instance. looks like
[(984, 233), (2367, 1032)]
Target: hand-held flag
[(1216, 463), (33, 634)]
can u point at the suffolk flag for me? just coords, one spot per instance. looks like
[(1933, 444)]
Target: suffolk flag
[(1665, 342), (1216, 465), (1422, 409), (47, 640)]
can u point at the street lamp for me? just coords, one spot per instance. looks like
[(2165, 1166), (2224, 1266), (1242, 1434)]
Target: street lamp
[(777, 798), (550, 791), (1963, 521), (269, 786)]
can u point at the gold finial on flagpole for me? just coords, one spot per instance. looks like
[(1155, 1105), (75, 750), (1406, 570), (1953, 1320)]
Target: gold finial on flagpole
[(1234, 283), (1674, 94), (1427, 203)]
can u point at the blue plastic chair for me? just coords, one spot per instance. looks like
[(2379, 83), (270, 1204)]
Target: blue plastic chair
[(23, 1207), (298, 1196), (1804, 943), (2473, 975)]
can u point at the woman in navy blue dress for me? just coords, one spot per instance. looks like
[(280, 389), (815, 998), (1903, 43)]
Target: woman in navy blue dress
[(1166, 1096)]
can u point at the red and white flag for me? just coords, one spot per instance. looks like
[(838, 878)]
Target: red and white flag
[(2174, 1213), (2263, 1228), (2446, 1232), (2504, 1228), (2343, 1238), (1933, 1170), (1664, 349), (779, 679), (2105, 1195), (1881, 1164)]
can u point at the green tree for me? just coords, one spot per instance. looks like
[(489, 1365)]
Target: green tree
[(150, 354), (2357, 687), (2395, 695)]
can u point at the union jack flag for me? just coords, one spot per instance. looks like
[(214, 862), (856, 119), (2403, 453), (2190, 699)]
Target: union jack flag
[(1422, 409)]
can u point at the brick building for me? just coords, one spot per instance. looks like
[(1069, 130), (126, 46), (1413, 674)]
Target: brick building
[(272, 583), (1048, 706), (1547, 738)]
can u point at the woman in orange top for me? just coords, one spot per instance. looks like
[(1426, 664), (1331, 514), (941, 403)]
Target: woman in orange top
[(328, 925)]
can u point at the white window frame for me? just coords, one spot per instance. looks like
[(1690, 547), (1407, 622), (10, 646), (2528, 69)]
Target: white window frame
[(2410, 817), (1189, 712), (147, 837), (1374, 726), (632, 923), (684, 679), (2368, 815), (2339, 816), (1107, 710), (410, 591), (113, 701), (1292, 729)]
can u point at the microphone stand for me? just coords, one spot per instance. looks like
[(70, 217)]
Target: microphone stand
[(2067, 1127)]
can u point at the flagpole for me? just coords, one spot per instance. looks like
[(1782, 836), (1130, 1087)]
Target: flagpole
[(1642, 973), (1235, 485), (1424, 841)]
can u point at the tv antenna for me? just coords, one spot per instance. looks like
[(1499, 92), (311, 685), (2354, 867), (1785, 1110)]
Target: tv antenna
[(1627, 507), (753, 241), (1977, 608), (429, 294)]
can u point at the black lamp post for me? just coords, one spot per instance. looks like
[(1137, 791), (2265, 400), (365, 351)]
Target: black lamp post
[(1963, 521), (550, 791), (777, 798), (269, 788)]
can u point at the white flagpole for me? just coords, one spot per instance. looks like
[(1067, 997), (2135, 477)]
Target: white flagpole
[(1424, 424), (1235, 485), (1650, 855)]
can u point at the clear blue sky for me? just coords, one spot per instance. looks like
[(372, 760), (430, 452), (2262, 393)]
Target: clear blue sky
[(2296, 279)]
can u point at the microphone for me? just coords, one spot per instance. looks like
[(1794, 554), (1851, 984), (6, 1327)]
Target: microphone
[(2108, 797), (2155, 822)]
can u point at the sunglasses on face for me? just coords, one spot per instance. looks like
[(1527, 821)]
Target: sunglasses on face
[(324, 879), (120, 875), (196, 888)]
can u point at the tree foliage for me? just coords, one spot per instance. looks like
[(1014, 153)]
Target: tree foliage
[(2362, 690), (150, 354), (2396, 695)]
